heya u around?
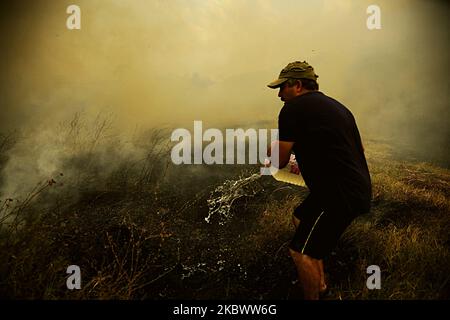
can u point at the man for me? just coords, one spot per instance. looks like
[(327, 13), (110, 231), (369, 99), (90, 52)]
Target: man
[(324, 137)]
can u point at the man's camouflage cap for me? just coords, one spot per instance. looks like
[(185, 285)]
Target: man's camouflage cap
[(294, 70)]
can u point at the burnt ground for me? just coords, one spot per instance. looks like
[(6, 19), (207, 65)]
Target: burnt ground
[(146, 240), (240, 256)]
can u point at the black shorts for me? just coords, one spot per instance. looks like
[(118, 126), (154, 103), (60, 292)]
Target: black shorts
[(322, 222)]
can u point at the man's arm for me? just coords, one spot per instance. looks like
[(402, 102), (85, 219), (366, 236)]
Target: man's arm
[(284, 152)]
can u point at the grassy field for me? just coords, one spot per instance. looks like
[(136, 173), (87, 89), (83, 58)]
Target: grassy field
[(135, 224)]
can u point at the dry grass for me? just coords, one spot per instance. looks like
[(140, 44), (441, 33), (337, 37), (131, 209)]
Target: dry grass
[(136, 227)]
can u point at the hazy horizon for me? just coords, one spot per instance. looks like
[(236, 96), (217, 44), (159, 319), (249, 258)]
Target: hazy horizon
[(158, 63)]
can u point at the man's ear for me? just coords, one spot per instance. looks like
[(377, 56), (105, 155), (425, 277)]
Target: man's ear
[(298, 85)]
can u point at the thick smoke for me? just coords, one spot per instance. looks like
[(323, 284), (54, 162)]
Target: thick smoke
[(168, 63)]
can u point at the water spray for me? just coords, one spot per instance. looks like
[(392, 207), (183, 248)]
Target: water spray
[(222, 198)]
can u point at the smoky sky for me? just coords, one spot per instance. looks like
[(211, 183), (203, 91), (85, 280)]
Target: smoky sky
[(153, 63)]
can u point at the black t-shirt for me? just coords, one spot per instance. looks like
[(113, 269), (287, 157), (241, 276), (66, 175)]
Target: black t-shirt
[(327, 147)]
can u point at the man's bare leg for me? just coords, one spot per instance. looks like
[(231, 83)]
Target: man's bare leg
[(323, 285), (308, 271)]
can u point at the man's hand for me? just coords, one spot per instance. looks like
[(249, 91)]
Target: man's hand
[(294, 165), (283, 148)]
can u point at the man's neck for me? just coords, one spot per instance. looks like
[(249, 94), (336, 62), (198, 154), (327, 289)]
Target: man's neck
[(304, 91)]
